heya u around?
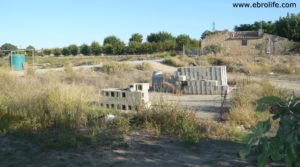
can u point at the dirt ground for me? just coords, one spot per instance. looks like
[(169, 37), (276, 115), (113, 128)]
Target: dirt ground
[(206, 106), (139, 149)]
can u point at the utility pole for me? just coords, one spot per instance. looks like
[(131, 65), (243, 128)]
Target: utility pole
[(213, 26), (182, 50)]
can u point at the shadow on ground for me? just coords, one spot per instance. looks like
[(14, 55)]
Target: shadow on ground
[(136, 150)]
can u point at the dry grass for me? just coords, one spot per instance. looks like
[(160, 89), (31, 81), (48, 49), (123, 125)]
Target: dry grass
[(52, 112), (173, 121), (255, 64), (144, 67), (243, 111), (113, 67), (47, 102), (180, 61)]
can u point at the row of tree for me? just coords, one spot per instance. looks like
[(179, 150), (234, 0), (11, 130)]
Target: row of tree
[(288, 27), (155, 42)]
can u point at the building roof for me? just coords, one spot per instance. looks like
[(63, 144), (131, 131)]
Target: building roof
[(245, 35)]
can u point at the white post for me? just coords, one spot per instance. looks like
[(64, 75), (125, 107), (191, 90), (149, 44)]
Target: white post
[(11, 61), (33, 58)]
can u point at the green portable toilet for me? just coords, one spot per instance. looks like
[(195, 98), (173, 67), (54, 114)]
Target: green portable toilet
[(17, 62)]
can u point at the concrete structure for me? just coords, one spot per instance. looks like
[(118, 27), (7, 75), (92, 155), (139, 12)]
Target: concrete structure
[(247, 42), (126, 99), (157, 80), (209, 80)]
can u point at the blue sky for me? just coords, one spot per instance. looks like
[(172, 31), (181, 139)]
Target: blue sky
[(58, 23)]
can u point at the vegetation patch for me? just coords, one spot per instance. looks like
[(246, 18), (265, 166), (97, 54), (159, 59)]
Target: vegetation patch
[(180, 61), (144, 67), (113, 67)]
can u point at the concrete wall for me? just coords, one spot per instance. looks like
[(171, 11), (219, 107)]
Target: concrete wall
[(126, 99)]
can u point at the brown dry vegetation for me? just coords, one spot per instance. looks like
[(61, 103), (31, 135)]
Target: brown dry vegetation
[(243, 110), (179, 61), (255, 64), (57, 110)]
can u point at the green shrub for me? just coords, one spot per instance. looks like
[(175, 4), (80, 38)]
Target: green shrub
[(284, 145), (213, 48)]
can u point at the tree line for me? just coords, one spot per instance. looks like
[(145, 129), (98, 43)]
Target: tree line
[(112, 45), (288, 27)]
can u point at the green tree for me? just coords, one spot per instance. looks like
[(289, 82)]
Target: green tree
[(73, 49), (148, 47), (206, 34), (117, 45), (289, 27), (268, 27), (85, 49), (195, 43), (29, 50), (108, 49), (47, 52), (8, 46), (159, 37), (56, 51), (96, 48), (65, 51), (167, 45), (112, 40), (134, 47), (136, 37), (182, 40)]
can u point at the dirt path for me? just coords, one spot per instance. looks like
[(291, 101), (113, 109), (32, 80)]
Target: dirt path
[(156, 65), (61, 69), (286, 82), (206, 106)]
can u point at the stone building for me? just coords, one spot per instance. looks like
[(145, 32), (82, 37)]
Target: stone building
[(247, 42), (131, 98)]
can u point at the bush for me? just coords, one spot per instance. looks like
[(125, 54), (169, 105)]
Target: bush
[(213, 48), (144, 67), (179, 61), (85, 50), (284, 145), (170, 120), (243, 110), (56, 51)]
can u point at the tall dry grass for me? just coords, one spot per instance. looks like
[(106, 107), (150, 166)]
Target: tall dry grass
[(50, 112), (48, 102), (179, 61), (255, 64), (243, 110), (169, 120)]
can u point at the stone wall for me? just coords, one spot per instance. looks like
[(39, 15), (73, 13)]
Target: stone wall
[(278, 45)]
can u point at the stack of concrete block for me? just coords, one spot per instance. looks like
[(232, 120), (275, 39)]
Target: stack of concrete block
[(218, 73), (209, 80)]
